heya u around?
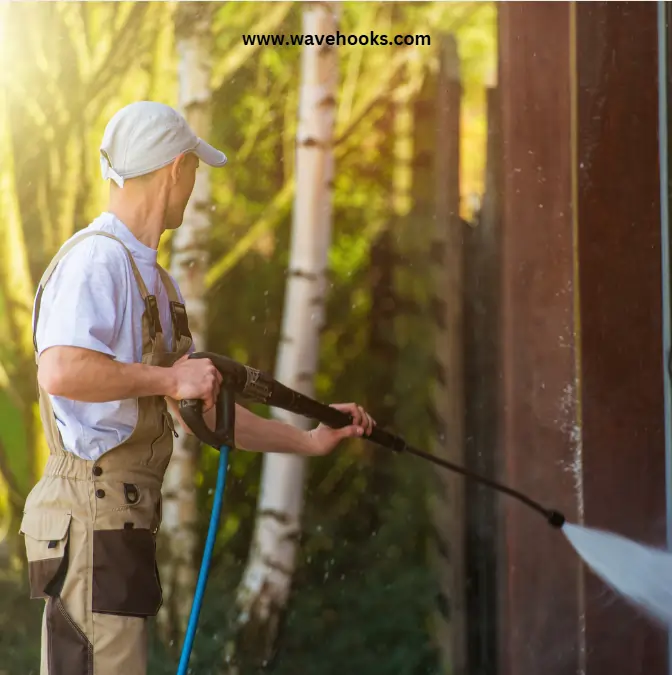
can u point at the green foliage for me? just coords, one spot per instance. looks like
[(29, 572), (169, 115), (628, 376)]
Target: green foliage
[(361, 592), (13, 438), (20, 625), (363, 598)]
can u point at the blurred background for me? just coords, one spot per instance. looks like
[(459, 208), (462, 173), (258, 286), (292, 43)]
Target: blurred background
[(364, 586), (466, 181)]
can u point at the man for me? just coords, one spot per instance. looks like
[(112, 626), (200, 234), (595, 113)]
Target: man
[(112, 339)]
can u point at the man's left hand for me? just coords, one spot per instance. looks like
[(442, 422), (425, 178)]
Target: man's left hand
[(324, 439)]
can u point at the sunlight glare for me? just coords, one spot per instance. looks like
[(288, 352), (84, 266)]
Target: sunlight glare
[(3, 13)]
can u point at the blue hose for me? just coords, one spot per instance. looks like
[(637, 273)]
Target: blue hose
[(205, 563)]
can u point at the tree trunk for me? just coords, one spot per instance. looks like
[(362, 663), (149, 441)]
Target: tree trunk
[(189, 261), (266, 583), (448, 503)]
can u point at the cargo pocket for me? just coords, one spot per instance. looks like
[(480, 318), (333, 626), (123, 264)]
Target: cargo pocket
[(125, 574), (46, 538)]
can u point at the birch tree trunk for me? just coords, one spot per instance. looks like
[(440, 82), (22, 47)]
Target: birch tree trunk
[(266, 582), (189, 261), (448, 503)]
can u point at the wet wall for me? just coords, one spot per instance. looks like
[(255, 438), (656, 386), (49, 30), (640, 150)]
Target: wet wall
[(581, 363)]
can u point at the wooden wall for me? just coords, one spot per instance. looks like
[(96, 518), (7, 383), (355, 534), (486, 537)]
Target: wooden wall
[(581, 360)]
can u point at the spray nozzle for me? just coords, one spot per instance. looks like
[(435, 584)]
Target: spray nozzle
[(555, 518)]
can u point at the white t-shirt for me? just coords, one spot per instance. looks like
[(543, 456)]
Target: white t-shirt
[(92, 300)]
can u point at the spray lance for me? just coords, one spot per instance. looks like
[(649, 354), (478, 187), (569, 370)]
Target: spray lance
[(260, 387)]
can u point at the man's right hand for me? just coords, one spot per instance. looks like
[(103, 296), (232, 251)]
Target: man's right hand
[(195, 378)]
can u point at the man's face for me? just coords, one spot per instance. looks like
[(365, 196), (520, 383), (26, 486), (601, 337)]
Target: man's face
[(184, 175)]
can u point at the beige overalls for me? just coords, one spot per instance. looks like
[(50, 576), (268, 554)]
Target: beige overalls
[(90, 527)]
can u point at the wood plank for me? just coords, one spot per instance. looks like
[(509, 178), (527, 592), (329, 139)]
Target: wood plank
[(620, 280), (538, 585)]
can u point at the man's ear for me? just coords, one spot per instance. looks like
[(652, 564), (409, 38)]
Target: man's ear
[(176, 168)]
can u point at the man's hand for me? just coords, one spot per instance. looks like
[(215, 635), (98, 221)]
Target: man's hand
[(195, 378), (324, 439)]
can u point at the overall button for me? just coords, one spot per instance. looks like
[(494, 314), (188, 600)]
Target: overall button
[(100, 493), (97, 471)]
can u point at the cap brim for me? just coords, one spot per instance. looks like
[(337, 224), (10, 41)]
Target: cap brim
[(211, 156)]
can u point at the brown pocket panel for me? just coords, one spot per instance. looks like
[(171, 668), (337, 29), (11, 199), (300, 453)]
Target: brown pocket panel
[(40, 574), (125, 581), (69, 650)]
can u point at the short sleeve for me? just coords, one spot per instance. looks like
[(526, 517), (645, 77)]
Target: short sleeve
[(84, 301)]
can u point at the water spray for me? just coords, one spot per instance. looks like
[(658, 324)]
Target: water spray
[(642, 574)]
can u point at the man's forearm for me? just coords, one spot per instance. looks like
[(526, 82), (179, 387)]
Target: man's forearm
[(258, 434), (92, 377)]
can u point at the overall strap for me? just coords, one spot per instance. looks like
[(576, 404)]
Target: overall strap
[(149, 300), (178, 311), (168, 284)]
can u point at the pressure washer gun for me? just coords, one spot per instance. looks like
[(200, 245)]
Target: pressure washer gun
[(260, 387)]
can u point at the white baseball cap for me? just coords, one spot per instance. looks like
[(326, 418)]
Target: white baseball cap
[(145, 136)]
